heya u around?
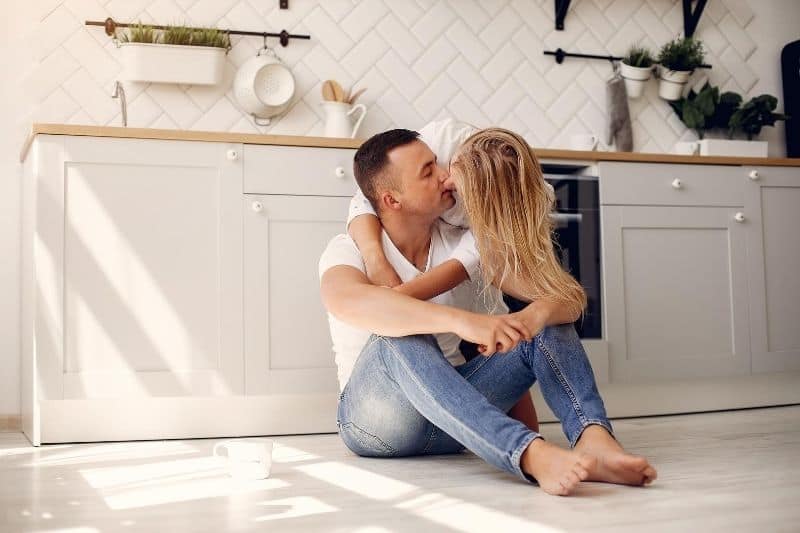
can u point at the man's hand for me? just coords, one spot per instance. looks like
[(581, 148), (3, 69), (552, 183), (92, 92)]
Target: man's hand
[(493, 333), (380, 271)]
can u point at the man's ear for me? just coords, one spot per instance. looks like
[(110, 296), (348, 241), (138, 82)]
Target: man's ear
[(389, 201)]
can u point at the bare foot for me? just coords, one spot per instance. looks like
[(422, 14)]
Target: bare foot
[(558, 471), (614, 464)]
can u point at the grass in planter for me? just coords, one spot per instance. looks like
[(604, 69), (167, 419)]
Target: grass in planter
[(139, 33), (181, 35), (211, 37)]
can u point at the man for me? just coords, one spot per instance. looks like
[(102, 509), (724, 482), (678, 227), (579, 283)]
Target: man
[(406, 390)]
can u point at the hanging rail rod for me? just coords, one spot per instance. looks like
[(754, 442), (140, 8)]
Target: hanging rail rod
[(111, 26), (561, 54)]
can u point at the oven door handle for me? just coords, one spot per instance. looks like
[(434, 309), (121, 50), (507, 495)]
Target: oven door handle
[(567, 217)]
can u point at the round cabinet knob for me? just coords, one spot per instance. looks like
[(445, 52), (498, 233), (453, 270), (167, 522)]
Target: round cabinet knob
[(339, 172), (233, 155), (754, 175), (676, 184), (257, 206), (739, 217)]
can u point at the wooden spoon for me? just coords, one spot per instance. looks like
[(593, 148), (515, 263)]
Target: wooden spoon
[(358, 93), (337, 91), (328, 93)]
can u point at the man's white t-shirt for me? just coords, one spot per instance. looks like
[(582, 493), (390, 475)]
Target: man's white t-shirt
[(348, 341)]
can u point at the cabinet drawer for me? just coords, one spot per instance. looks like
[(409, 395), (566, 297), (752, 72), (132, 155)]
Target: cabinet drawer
[(298, 170), (669, 184)]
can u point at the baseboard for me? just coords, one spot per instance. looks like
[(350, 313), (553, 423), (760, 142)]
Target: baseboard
[(10, 423)]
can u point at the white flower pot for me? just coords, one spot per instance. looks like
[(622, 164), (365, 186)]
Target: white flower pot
[(672, 83), (733, 148), (171, 63), (635, 79)]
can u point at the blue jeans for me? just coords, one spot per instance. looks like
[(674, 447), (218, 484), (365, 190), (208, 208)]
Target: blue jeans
[(403, 398)]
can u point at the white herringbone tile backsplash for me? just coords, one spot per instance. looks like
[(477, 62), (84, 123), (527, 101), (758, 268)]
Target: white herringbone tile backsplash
[(480, 61)]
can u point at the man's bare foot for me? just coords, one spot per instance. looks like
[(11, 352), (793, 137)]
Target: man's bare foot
[(614, 464), (558, 471)]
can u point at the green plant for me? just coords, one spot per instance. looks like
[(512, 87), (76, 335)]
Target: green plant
[(210, 37), (638, 56), (682, 54), (178, 35), (755, 114), (728, 103), (139, 33), (696, 110)]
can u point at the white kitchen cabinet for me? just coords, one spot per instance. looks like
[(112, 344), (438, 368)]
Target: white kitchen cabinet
[(145, 316), (676, 293), (287, 342), (772, 210), (133, 275), (684, 312)]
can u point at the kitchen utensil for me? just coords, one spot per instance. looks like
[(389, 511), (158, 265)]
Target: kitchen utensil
[(264, 86), (352, 99), (328, 94), (337, 91), (790, 66), (337, 119)]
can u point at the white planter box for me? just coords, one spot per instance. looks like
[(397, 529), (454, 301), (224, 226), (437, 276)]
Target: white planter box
[(734, 148), (170, 63)]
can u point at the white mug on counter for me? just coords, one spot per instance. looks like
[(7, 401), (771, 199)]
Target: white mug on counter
[(686, 148), (584, 141), (247, 458)]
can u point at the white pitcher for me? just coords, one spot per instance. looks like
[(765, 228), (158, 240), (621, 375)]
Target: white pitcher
[(338, 119)]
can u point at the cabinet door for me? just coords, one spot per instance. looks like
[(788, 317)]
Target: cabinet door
[(287, 341), (145, 240), (772, 211), (676, 293)]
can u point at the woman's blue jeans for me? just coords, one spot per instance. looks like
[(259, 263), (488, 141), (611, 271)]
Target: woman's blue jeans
[(403, 398)]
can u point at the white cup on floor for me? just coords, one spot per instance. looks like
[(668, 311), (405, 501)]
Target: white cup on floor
[(247, 458)]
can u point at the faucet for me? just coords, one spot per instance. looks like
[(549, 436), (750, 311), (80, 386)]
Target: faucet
[(119, 92)]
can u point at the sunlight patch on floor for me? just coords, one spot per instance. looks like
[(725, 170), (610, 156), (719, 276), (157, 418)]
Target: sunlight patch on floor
[(367, 484), (293, 508), (118, 451), (459, 515)]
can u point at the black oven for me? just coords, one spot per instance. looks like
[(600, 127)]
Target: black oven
[(577, 238)]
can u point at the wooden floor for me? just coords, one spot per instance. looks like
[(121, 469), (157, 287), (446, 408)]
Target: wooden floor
[(726, 471)]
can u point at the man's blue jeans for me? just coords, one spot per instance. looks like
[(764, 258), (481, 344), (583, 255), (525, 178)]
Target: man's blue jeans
[(403, 397)]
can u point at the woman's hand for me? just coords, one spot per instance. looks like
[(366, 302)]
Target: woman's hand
[(493, 333), (534, 317), (379, 271)]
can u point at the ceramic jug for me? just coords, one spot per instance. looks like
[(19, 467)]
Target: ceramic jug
[(338, 122)]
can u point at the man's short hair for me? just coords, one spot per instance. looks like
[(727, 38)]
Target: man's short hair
[(371, 162)]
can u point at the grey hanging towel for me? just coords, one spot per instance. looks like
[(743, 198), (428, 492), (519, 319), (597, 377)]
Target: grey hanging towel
[(619, 116)]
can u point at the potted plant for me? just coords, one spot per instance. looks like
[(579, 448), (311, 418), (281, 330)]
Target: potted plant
[(178, 54), (747, 119), (678, 59), (636, 69)]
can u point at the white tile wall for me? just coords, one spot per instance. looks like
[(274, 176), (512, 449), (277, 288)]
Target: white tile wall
[(420, 59)]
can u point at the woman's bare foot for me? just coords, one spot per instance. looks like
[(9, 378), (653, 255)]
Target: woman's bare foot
[(614, 464), (558, 471)]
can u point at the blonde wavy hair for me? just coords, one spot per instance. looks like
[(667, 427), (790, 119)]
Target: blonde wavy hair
[(508, 204)]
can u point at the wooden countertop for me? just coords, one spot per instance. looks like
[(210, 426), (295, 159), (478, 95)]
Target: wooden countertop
[(329, 142)]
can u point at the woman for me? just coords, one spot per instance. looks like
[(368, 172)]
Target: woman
[(507, 203)]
